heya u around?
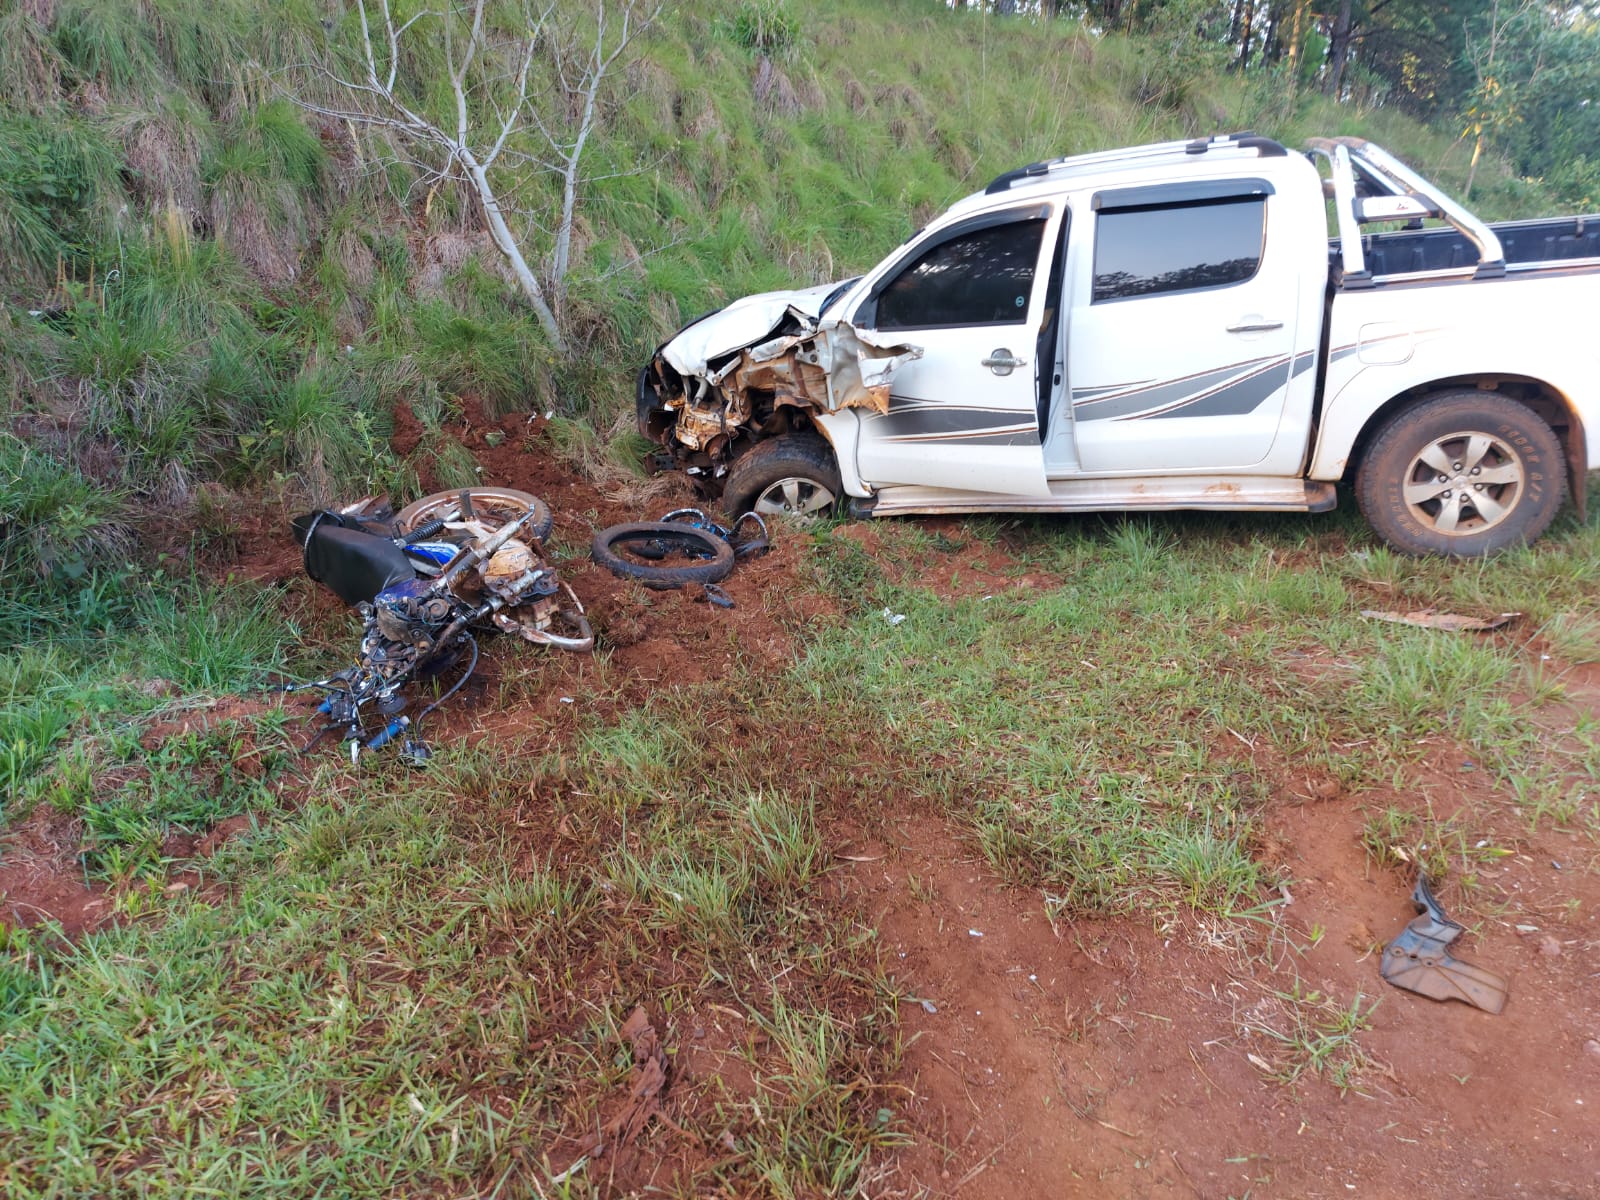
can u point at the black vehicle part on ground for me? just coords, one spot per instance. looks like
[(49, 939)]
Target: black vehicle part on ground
[(354, 564), (1418, 960), (618, 550), (749, 545), (759, 480), (492, 505), (745, 544)]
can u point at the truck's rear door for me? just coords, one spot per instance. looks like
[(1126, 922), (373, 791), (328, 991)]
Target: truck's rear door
[(1193, 330)]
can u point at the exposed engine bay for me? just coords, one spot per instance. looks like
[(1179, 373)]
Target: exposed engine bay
[(760, 368)]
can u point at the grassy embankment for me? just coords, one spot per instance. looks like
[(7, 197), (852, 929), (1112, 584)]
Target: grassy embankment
[(396, 985)]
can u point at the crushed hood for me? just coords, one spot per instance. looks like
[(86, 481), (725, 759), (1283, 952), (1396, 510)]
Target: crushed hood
[(827, 364), (742, 323)]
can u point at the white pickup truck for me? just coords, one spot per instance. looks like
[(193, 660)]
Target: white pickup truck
[(1168, 327)]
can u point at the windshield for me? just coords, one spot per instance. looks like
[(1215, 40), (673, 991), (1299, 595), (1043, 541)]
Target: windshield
[(833, 296)]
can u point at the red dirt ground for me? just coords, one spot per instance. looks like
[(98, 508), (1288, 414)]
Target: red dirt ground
[(1107, 1057), (1092, 1057)]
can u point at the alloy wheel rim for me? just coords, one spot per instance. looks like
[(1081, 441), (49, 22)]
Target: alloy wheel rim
[(797, 497), (1463, 483)]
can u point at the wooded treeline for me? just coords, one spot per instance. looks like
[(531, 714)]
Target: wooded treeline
[(1520, 75)]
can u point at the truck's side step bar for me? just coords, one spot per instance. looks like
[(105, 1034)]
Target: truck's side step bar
[(1238, 492)]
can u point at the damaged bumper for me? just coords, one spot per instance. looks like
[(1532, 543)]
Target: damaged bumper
[(755, 368)]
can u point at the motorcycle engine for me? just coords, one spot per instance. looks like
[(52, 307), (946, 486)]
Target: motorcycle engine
[(514, 573), (405, 613)]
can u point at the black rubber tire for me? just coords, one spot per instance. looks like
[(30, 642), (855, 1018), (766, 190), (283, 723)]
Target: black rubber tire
[(611, 551), (424, 510), (803, 456), (1382, 475)]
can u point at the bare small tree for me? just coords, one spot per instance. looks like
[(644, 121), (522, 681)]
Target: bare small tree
[(497, 83)]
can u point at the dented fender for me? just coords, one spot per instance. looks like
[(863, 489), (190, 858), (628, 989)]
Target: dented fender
[(831, 367), (764, 353)]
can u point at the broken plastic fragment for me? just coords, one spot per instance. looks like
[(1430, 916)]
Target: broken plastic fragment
[(1418, 960), (893, 617), (1428, 618)]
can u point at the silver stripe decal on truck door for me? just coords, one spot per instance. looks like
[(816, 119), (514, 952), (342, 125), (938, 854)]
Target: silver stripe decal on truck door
[(1160, 397)]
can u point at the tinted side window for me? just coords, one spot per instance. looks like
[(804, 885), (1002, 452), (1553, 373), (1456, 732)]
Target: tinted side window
[(979, 278), (1177, 248)]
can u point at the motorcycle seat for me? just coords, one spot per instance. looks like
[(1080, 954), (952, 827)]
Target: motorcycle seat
[(355, 565)]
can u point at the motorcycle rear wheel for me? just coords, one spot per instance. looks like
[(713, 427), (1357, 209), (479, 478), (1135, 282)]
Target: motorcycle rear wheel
[(495, 507)]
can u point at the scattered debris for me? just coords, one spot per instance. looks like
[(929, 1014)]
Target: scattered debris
[(1418, 960), (1428, 618), (645, 1085), (893, 617)]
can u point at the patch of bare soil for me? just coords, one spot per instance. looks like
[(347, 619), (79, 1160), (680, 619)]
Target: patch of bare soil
[(1107, 1057), (41, 878)]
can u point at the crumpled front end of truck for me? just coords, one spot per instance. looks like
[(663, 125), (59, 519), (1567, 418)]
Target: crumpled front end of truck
[(760, 368)]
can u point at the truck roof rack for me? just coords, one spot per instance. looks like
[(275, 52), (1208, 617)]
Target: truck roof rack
[(1246, 140)]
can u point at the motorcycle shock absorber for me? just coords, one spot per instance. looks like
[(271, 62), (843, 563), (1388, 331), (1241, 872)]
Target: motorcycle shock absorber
[(423, 532)]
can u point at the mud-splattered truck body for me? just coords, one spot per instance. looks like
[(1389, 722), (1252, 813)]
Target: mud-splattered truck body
[(1168, 327)]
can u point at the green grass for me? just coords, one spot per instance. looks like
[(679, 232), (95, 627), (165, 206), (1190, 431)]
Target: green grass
[(402, 983), (428, 958), (1305, 1032), (390, 952), (54, 522)]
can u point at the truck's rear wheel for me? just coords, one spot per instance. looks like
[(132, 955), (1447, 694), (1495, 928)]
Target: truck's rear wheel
[(794, 476), (1464, 474)]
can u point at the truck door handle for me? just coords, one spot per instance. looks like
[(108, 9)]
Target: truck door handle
[(1254, 324), (1003, 362)]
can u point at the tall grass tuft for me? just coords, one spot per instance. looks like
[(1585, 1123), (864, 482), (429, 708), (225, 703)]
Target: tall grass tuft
[(58, 191), (54, 523), (324, 434), (262, 184), (109, 44)]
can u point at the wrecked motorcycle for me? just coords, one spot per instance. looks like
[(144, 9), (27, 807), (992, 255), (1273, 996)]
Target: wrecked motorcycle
[(426, 582)]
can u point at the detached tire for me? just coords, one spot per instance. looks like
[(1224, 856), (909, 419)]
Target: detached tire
[(791, 476), (494, 506), (1463, 474), (639, 550)]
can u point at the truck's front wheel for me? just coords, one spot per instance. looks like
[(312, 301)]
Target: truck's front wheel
[(1464, 474), (794, 475)]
